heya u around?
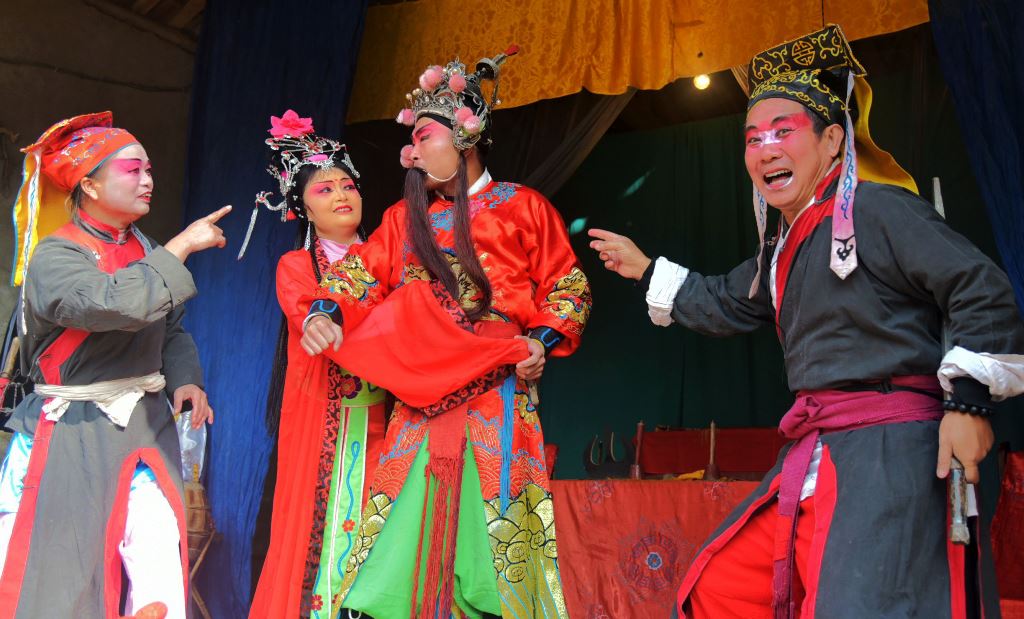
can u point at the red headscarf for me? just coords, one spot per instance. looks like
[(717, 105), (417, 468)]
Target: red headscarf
[(73, 148), (54, 165)]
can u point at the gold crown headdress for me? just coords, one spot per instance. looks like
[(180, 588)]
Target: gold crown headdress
[(454, 96)]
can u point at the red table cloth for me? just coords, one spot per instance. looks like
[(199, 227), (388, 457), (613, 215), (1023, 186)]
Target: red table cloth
[(624, 545)]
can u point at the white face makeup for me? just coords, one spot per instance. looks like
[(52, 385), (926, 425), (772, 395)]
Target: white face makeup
[(120, 191)]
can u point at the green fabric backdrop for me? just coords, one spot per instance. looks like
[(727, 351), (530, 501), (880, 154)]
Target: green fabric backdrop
[(683, 192)]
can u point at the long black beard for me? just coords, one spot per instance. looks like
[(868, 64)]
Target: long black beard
[(421, 233)]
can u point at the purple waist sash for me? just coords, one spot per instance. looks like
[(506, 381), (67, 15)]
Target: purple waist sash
[(822, 411)]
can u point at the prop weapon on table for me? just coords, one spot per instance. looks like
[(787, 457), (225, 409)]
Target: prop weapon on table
[(711, 472), (634, 471), (600, 461)]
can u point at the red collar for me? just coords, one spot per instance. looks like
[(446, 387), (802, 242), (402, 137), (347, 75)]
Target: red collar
[(117, 235), (801, 229)]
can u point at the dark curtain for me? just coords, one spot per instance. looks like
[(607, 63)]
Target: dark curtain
[(681, 192), (543, 144), (539, 145), (980, 45), (254, 59)]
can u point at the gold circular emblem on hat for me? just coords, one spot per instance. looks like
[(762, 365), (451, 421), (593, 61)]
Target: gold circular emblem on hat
[(803, 53)]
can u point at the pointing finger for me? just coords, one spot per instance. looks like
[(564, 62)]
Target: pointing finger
[(214, 216), (604, 235)]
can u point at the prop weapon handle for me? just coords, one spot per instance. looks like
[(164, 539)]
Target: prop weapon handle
[(959, 533)]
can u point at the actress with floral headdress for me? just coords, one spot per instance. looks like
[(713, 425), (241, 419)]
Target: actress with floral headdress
[(331, 424)]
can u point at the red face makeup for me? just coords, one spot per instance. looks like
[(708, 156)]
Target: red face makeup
[(784, 156), (130, 169), (776, 132), (433, 151)]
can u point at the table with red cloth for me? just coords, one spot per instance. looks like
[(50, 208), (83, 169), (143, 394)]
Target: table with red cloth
[(624, 545)]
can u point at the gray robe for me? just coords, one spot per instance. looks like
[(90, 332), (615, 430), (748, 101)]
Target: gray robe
[(128, 324), (885, 554)]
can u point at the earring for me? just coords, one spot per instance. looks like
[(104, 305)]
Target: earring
[(309, 228)]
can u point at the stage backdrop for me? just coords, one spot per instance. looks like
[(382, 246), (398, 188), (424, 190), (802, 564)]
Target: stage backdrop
[(255, 59), (981, 45), (682, 192)]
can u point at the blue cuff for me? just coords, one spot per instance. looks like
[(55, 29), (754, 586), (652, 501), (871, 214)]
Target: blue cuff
[(325, 307), (548, 337)]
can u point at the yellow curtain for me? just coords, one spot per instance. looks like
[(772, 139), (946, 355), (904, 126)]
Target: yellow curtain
[(604, 46)]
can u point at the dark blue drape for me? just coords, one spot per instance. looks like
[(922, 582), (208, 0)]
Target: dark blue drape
[(254, 59), (980, 44)]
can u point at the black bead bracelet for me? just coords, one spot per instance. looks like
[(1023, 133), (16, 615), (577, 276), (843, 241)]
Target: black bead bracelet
[(970, 409)]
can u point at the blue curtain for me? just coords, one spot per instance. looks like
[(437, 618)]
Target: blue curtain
[(980, 44), (254, 59)]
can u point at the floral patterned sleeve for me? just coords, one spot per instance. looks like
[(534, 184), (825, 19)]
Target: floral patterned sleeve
[(351, 287), (563, 297)]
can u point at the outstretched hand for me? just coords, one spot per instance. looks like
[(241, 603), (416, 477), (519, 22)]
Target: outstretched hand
[(201, 234), (619, 253)]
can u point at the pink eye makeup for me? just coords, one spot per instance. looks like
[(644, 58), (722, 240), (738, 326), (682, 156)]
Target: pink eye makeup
[(424, 132), (775, 132)]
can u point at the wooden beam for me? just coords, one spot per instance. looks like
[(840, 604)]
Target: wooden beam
[(143, 7), (187, 13), (175, 37)]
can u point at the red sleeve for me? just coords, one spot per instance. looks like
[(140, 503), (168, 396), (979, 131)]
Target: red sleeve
[(295, 286), (364, 277), (563, 296)]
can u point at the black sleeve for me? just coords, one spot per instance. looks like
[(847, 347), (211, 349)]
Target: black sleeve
[(937, 264), (718, 305)]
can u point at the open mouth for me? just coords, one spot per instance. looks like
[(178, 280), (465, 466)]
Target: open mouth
[(146, 197), (778, 179), (343, 209)]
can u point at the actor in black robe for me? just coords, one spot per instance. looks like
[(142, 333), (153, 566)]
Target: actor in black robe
[(852, 521)]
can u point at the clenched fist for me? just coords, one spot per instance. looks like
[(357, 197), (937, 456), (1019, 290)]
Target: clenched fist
[(319, 334)]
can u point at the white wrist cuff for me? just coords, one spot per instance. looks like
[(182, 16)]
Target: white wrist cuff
[(666, 280)]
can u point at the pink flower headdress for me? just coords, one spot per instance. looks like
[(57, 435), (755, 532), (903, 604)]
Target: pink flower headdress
[(293, 138)]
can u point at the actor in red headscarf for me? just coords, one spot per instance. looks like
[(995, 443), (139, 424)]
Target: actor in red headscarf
[(92, 482)]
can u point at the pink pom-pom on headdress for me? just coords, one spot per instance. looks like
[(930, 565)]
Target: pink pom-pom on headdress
[(406, 156), (406, 117), (431, 78), (457, 82), (462, 114), (472, 125)]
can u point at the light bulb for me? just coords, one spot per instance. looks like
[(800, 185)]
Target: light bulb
[(702, 81)]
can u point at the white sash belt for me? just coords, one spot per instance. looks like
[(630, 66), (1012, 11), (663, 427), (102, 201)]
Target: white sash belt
[(116, 398)]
